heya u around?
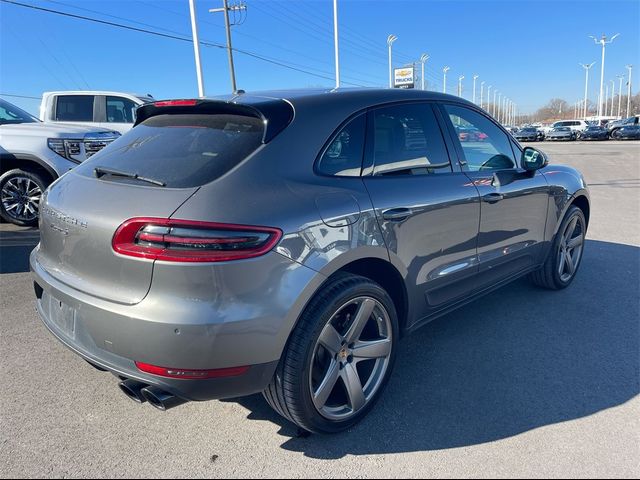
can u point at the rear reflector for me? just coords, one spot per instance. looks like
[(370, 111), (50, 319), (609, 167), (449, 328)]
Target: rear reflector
[(191, 374), (175, 103), (190, 241)]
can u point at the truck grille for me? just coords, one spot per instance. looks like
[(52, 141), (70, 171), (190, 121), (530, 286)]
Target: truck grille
[(92, 147)]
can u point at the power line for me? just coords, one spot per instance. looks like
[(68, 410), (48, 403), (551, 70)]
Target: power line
[(173, 37), (18, 96)]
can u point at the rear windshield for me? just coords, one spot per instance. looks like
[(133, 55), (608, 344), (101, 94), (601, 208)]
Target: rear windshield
[(181, 151)]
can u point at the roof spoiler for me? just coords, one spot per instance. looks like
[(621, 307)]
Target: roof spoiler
[(276, 114)]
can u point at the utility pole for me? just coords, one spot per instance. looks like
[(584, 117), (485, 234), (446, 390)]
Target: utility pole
[(444, 81), (475, 77), (196, 47), (335, 41), (629, 67), (602, 41), (481, 93), (620, 77), (586, 85), (423, 59), (225, 9), (460, 78), (390, 40)]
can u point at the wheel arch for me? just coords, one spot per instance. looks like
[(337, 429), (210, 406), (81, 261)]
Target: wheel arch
[(27, 162)]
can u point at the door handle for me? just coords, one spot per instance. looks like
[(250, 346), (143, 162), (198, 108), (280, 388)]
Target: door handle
[(492, 197), (397, 214)]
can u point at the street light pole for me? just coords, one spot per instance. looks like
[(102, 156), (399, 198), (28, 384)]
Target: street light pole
[(602, 41), (586, 85), (335, 41), (629, 67), (495, 92), (390, 40), (613, 94), (460, 78), (620, 78), (196, 47), (475, 77), (444, 81), (606, 99), (481, 93), (423, 60), (488, 98)]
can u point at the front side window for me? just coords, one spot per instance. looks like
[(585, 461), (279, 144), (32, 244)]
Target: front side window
[(343, 156), (74, 108), (484, 144), (120, 110), (406, 140)]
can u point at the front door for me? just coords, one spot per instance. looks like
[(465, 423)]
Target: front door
[(426, 207), (514, 202)]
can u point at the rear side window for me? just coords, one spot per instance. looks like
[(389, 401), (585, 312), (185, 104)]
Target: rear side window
[(406, 140), (343, 155), (181, 150), (74, 108), (120, 110)]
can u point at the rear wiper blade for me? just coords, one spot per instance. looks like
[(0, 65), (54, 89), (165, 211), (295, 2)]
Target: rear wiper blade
[(101, 171)]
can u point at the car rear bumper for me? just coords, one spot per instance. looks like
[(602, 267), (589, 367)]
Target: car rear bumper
[(111, 337)]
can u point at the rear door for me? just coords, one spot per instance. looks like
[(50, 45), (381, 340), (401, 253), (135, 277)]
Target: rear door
[(514, 203), (428, 210)]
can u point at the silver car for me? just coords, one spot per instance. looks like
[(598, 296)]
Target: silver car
[(284, 242)]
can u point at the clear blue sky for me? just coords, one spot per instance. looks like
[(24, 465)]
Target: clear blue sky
[(527, 49)]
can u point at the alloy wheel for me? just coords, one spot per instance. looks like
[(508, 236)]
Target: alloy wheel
[(350, 358), (570, 248), (20, 198)]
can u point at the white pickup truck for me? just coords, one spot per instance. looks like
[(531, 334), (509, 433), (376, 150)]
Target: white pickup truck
[(112, 110), (33, 154)]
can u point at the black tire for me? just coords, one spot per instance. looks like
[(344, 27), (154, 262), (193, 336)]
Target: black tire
[(26, 220), (548, 276), (289, 392)]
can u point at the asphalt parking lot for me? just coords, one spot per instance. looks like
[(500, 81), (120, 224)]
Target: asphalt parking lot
[(523, 383)]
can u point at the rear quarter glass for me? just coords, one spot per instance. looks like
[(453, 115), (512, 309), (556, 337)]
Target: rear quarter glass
[(181, 150)]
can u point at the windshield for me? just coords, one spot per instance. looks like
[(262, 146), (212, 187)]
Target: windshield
[(10, 114), (529, 129)]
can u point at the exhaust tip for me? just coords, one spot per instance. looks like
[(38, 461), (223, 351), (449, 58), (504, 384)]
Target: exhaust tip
[(133, 390), (160, 399)]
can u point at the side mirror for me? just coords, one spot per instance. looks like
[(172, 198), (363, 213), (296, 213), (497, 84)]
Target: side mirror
[(533, 159)]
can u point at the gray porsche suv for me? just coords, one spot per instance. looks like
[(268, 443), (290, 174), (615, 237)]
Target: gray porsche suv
[(283, 242)]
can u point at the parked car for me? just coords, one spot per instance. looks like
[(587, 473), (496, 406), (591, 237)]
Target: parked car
[(288, 254), (574, 125), (33, 154), (527, 134), (628, 132), (594, 133), (112, 110), (561, 133), (618, 124)]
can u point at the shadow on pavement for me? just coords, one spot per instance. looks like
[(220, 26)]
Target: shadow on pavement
[(518, 359), (16, 244)]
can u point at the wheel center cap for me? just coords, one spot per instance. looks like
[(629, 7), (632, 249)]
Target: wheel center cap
[(343, 354)]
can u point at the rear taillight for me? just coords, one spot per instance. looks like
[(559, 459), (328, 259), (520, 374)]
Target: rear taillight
[(190, 241)]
